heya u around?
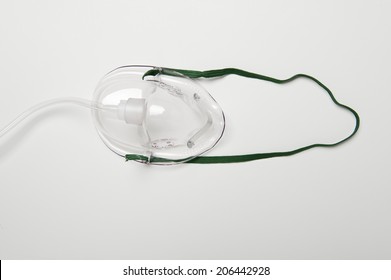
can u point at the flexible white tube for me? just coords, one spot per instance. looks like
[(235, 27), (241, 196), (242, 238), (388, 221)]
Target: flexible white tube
[(52, 102)]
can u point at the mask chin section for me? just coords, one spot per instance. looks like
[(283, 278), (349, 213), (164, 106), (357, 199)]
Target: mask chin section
[(162, 119)]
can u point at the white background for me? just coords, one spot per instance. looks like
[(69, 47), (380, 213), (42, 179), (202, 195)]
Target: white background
[(64, 195)]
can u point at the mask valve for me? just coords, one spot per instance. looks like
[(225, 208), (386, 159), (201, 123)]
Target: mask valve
[(132, 110)]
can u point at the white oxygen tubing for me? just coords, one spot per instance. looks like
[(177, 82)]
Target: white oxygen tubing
[(59, 101), (52, 102)]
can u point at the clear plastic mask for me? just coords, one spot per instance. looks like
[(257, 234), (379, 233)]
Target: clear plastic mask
[(164, 116)]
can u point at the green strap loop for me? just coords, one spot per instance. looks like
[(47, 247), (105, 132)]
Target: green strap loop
[(247, 157)]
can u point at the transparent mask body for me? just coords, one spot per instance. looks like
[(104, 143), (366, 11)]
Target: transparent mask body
[(158, 116)]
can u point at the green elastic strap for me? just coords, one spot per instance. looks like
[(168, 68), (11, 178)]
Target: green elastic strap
[(247, 157)]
